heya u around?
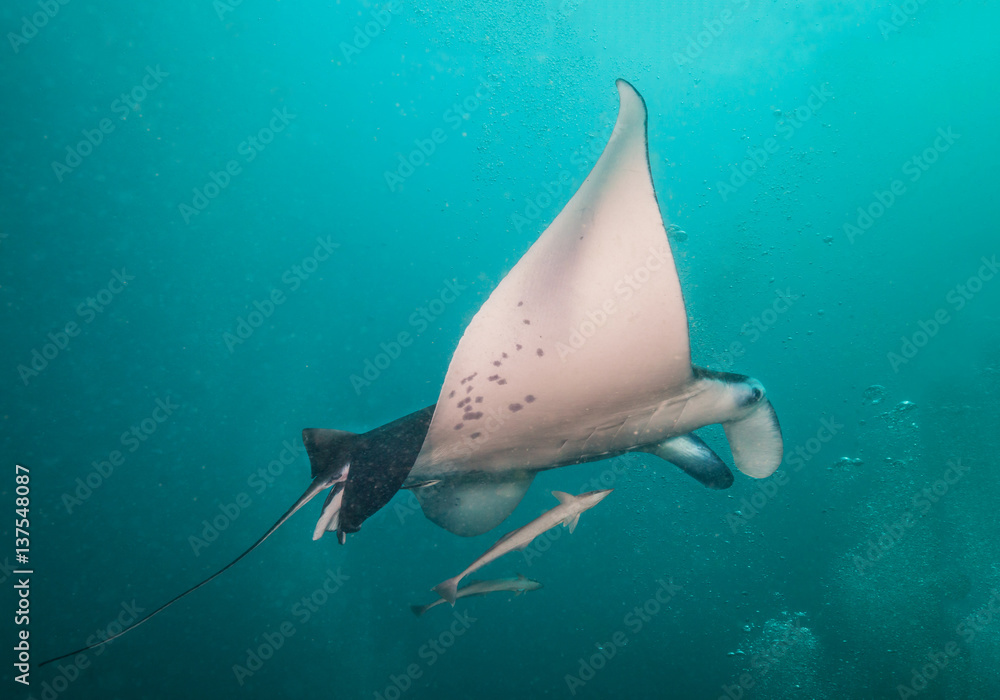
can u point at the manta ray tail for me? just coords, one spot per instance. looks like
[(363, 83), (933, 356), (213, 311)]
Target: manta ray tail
[(317, 486)]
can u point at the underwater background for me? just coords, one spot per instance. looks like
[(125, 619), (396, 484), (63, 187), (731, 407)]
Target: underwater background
[(218, 217)]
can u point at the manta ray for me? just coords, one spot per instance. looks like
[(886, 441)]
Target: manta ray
[(581, 353)]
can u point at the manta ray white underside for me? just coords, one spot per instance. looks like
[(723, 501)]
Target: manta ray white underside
[(582, 352)]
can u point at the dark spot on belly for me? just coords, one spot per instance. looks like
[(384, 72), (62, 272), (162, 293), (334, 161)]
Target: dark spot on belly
[(518, 347), (463, 401), (468, 389), (529, 398), (459, 426), (520, 303), (502, 382), (479, 399), (451, 395), (475, 435), (496, 363), (493, 377), (527, 322), (503, 355), (515, 407), (473, 416), (539, 352)]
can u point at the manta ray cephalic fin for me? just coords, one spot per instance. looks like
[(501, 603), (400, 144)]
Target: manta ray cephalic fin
[(695, 458)]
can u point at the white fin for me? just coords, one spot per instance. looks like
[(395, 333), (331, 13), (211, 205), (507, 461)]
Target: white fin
[(571, 522), (590, 318), (564, 497), (329, 519), (448, 590), (756, 441)]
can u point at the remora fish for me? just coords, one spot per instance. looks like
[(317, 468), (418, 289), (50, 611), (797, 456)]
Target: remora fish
[(567, 512), (518, 585), (523, 394)]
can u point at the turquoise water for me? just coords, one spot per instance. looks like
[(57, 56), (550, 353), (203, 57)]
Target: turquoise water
[(218, 218)]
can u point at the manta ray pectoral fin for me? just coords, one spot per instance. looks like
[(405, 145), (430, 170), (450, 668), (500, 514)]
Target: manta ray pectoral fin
[(472, 504), (695, 458), (518, 358), (755, 441)]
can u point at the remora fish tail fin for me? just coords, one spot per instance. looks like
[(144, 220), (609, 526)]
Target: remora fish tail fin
[(756, 441), (325, 447), (314, 488), (448, 590), (419, 610)]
